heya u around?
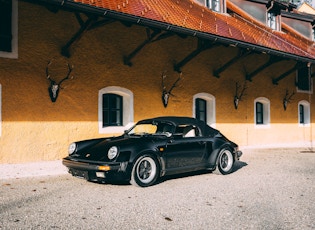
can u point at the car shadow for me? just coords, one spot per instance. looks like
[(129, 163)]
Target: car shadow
[(237, 166)]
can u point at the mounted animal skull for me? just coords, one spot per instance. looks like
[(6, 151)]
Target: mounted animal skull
[(237, 96), (54, 87), (167, 93), (287, 99)]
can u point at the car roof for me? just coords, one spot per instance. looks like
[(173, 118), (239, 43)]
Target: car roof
[(175, 120)]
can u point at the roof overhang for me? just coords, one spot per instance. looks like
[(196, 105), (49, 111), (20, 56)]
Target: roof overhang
[(70, 5)]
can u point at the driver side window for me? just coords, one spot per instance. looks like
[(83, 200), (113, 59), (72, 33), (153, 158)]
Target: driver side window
[(188, 131)]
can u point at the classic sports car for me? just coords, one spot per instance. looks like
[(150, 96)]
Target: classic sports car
[(151, 149)]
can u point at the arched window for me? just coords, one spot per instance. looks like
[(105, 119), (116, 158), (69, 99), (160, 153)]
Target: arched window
[(262, 111), (115, 109), (204, 108), (304, 113)]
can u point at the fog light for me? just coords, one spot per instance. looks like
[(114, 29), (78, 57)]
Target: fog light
[(104, 168)]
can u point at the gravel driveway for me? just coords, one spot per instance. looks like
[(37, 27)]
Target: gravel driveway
[(271, 189)]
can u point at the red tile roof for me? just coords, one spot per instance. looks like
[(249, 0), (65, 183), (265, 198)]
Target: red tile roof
[(187, 14)]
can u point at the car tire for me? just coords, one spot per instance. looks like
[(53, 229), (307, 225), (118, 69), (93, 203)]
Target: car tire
[(145, 171), (225, 162)]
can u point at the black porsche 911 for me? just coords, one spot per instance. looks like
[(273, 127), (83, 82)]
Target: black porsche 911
[(151, 149)]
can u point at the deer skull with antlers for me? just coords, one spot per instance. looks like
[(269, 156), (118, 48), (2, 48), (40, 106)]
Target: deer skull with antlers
[(54, 87), (238, 96), (167, 93), (287, 99)]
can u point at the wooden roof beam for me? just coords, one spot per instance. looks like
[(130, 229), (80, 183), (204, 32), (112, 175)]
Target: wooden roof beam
[(272, 60), (284, 75), (202, 46), (150, 37), (241, 54)]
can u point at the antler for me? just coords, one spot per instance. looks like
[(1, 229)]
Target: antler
[(47, 72), (287, 99), (166, 94), (175, 83), (54, 87), (242, 92), (70, 68), (238, 97)]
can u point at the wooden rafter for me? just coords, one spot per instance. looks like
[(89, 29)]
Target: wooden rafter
[(91, 22), (202, 46), (150, 37), (287, 73), (241, 54), (272, 60), (65, 50)]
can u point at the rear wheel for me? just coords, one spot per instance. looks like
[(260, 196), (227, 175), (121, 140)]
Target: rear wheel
[(225, 162), (145, 171)]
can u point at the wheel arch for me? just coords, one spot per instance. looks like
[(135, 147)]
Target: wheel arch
[(213, 159), (133, 159)]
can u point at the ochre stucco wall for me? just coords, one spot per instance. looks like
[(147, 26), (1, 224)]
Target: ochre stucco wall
[(35, 129)]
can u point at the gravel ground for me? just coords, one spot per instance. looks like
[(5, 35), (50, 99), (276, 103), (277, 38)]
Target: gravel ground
[(271, 189)]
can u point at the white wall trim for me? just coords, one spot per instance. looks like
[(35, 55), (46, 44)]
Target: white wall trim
[(307, 113), (211, 107), (266, 114)]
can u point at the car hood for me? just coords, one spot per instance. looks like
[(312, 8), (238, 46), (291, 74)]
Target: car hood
[(97, 149)]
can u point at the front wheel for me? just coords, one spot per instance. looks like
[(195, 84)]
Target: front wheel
[(225, 162), (145, 171)]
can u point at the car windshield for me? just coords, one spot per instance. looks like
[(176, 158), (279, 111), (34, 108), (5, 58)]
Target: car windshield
[(155, 128)]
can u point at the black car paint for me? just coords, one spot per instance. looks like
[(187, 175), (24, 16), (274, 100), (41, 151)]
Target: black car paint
[(175, 154)]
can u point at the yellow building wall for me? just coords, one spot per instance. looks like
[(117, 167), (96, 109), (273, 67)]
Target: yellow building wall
[(35, 129)]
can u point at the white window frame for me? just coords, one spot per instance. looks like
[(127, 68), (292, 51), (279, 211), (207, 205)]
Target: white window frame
[(220, 8), (128, 110), (14, 53), (211, 107), (266, 112), (276, 20), (307, 113)]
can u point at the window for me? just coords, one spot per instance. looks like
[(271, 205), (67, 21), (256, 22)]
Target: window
[(201, 109), (304, 113), (274, 19), (262, 112), (204, 108), (112, 110), (8, 28), (115, 109), (259, 113), (301, 114), (215, 5), (303, 80)]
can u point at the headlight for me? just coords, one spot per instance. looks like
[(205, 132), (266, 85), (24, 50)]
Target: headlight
[(112, 152), (72, 148)]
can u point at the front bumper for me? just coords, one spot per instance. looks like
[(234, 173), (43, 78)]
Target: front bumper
[(96, 170)]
